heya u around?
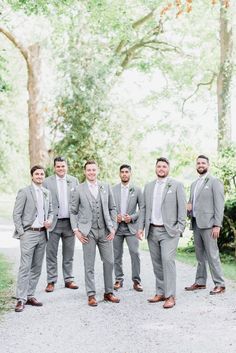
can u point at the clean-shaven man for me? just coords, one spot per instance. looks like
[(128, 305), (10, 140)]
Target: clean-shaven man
[(129, 200), (93, 219), (206, 209), (32, 216), (61, 185), (164, 217)]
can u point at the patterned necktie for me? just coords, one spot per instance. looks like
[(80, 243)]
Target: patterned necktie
[(62, 198)]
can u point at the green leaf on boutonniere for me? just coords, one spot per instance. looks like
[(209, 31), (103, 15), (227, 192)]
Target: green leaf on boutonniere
[(131, 190), (206, 180), (168, 185)]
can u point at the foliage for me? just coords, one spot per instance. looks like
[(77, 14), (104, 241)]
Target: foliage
[(39, 6), (228, 232), (6, 282)]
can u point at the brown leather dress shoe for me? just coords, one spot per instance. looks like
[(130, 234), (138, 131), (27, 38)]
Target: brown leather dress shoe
[(109, 297), (137, 286), (157, 298), (20, 305), (50, 287), (34, 302), (217, 290), (118, 285), (169, 303), (71, 285), (195, 286), (92, 301)]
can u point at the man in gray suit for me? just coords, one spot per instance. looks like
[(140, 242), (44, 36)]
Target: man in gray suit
[(93, 220), (206, 209), (32, 217), (127, 198), (61, 185), (163, 216)]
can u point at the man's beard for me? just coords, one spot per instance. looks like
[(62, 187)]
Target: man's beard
[(202, 171)]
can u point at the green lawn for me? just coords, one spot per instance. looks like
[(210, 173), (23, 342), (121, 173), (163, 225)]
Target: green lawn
[(6, 283)]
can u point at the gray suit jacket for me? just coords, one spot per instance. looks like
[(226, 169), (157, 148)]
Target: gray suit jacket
[(81, 208), (50, 183), (25, 209), (173, 207), (135, 198), (209, 203)]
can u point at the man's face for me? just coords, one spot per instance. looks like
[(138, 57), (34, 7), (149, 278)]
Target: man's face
[(60, 169), (125, 175), (38, 176), (162, 169), (91, 172), (202, 166)]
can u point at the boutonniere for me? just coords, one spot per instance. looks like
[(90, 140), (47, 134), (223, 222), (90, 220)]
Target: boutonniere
[(45, 194), (102, 189), (206, 180), (168, 185), (131, 191)]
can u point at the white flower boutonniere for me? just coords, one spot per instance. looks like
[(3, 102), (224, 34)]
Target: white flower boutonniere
[(131, 191), (102, 189)]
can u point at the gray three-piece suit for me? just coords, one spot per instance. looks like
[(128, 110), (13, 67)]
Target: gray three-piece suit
[(32, 243), (127, 232), (95, 218), (208, 212), (163, 241), (60, 229)]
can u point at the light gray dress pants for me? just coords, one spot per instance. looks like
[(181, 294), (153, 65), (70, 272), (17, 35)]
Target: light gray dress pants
[(64, 232), (162, 249), (97, 237), (32, 246)]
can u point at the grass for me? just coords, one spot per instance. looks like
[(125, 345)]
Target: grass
[(186, 255), (6, 283)]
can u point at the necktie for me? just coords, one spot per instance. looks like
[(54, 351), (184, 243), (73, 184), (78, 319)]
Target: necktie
[(62, 198), (40, 206)]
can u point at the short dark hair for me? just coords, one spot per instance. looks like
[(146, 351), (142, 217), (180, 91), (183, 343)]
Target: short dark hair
[(59, 159), (125, 166), (203, 156), (35, 167), (162, 159), (91, 161)]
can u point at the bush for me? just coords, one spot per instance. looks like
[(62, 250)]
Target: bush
[(226, 238)]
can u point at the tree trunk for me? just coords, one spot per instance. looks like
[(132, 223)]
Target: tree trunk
[(37, 147), (224, 79)]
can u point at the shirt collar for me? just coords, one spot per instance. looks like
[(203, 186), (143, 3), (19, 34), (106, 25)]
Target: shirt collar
[(91, 185), (36, 187), (161, 180), (202, 177), (124, 186), (59, 179)]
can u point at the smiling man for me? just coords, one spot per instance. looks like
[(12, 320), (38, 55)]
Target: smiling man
[(32, 217), (206, 209), (61, 185), (129, 200), (163, 216), (93, 219)]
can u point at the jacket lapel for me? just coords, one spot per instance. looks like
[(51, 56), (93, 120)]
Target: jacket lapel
[(166, 188), (33, 196), (151, 193), (88, 194)]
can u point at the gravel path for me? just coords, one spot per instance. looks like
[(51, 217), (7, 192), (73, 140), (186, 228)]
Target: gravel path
[(199, 323)]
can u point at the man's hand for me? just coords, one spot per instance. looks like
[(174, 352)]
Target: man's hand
[(139, 234), (111, 235), (82, 238), (215, 232), (127, 218), (119, 218), (47, 224)]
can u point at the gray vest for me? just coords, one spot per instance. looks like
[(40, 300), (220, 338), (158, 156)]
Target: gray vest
[(123, 229), (97, 213)]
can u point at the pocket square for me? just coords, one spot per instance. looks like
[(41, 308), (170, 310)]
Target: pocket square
[(206, 187), (169, 192)]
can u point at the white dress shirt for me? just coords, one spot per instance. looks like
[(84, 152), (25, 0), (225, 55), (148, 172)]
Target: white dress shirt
[(124, 199), (93, 188), (63, 198), (200, 181), (39, 220), (156, 217)]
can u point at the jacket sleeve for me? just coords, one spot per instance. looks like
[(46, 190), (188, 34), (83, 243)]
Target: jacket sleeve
[(112, 207), (18, 211), (182, 209), (74, 209), (135, 216), (50, 209), (142, 210), (218, 198)]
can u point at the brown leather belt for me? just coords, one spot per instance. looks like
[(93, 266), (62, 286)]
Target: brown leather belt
[(63, 219), (37, 229), (157, 225)]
